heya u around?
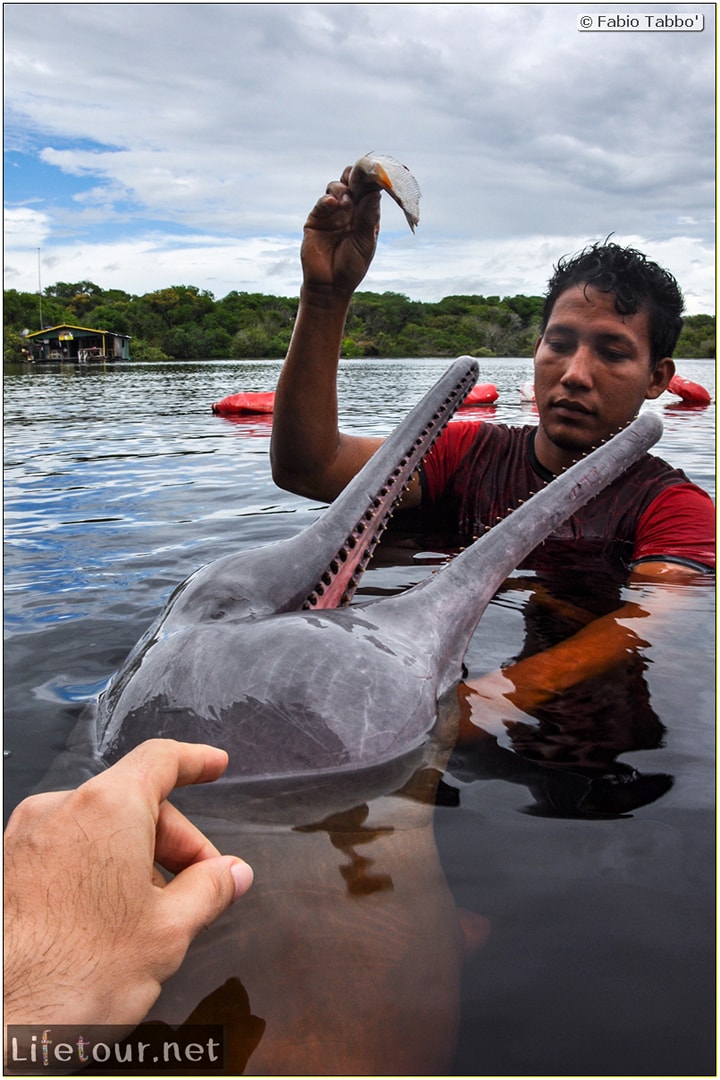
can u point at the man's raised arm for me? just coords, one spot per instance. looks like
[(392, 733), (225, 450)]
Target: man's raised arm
[(309, 455)]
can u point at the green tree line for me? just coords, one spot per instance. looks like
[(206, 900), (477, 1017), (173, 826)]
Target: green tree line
[(186, 323)]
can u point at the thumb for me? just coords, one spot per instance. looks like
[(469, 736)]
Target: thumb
[(203, 891)]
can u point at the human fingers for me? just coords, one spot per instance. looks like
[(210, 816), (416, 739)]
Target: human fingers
[(338, 193), (338, 188), (152, 769), (340, 213), (178, 842), (367, 214), (333, 209), (196, 897)]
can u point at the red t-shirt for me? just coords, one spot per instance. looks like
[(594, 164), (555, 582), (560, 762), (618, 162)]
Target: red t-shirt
[(476, 473)]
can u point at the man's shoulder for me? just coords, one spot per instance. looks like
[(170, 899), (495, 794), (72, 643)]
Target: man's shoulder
[(652, 469), (470, 433)]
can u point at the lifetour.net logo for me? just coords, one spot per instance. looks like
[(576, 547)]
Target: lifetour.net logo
[(148, 1050)]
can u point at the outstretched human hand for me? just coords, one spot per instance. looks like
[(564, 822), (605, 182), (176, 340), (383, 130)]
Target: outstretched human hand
[(92, 928), (339, 239)]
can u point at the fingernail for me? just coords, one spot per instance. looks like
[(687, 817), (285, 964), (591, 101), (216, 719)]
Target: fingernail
[(242, 876)]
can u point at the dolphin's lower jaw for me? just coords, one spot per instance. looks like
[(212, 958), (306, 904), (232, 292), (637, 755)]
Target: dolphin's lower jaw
[(299, 717), (300, 693)]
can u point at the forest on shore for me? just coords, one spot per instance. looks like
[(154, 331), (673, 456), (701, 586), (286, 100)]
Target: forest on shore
[(183, 322)]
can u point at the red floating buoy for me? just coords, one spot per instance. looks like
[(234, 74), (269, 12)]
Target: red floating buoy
[(484, 394), (689, 391), (241, 404)]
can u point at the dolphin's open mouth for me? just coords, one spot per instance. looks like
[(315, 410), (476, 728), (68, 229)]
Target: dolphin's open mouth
[(386, 485)]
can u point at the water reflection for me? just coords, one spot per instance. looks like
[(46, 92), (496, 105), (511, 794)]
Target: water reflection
[(566, 750), (347, 831), (338, 961), (250, 426), (568, 760)]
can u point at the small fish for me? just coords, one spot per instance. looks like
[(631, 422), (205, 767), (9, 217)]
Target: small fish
[(380, 172)]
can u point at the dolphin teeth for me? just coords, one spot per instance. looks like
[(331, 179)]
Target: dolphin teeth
[(376, 518)]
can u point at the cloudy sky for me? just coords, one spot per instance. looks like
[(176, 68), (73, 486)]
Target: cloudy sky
[(158, 144)]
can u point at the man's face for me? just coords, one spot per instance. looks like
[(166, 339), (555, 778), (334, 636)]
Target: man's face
[(592, 373)]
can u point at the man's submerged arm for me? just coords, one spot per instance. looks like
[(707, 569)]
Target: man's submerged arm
[(596, 648)]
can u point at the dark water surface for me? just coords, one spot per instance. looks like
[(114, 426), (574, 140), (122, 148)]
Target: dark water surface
[(600, 958)]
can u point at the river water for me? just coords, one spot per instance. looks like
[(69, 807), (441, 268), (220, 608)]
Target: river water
[(593, 935)]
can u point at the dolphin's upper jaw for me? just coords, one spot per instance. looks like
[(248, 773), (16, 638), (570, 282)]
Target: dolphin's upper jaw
[(338, 583)]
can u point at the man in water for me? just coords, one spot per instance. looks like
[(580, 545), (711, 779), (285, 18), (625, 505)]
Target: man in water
[(610, 324)]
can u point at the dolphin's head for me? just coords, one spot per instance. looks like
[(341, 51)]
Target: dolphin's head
[(319, 568), (245, 656)]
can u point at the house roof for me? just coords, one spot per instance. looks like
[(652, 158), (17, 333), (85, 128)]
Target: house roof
[(53, 331)]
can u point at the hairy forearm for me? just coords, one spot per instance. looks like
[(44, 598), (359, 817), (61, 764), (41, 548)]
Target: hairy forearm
[(91, 927)]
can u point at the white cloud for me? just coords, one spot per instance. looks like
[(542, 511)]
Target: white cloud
[(25, 228), (422, 270), (223, 122)]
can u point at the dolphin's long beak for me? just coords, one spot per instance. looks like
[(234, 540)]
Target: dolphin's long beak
[(343, 539)]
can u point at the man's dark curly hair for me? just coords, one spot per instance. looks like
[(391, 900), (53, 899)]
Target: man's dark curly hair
[(636, 283)]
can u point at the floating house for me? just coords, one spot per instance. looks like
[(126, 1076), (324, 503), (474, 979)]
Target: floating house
[(75, 344)]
